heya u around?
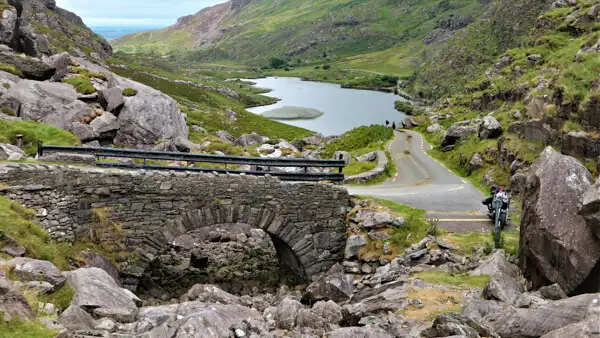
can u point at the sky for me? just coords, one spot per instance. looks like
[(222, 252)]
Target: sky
[(133, 13)]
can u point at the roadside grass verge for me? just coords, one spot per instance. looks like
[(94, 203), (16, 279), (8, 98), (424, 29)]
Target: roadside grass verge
[(465, 243), (22, 329)]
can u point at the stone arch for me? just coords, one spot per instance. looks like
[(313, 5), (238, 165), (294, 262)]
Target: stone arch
[(304, 250)]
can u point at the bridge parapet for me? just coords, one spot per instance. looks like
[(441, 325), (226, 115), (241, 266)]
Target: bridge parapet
[(145, 210)]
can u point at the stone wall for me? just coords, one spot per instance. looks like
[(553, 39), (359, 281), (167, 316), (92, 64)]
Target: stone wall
[(382, 163), (145, 210)]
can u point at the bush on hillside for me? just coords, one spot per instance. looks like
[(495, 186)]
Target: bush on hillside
[(408, 108), (326, 67), (277, 63), (362, 137)]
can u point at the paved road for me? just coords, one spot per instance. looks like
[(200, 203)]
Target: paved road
[(424, 183)]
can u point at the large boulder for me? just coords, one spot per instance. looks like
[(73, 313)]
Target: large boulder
[(489, 128), (32, 68), (8, 25), (456, 132), (286, 313), (61, 62), (336, 286), (586, 329), (535, 130), (10, 246), (538, 321), (362, 332), (105, 124), (28, 269), (353, 245), (580, 144), (503, 288), (111, 99), (250, 140), (224, 136), (210, 320), (12, 303), (90, 259), (556, 244), (97, 292), (148, 117), (496, 264), (75, 318)]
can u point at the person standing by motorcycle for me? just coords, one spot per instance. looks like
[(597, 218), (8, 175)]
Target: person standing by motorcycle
[(488, 201)]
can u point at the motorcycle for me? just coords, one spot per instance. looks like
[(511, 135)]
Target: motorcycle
[(498, 209)]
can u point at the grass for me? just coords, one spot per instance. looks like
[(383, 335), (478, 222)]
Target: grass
[(84, 72), (462, 280), (23, 329), (369, 137), (32, 132), (11, 69), (434, 303), (355, 168), (467, 242), (408, 108), (16, 221), (82, 84), (129, 92)]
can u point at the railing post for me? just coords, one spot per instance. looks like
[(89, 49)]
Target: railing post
[(40, 146), (19, 141)]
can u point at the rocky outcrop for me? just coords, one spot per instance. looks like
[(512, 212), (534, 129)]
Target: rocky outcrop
[(580, 144), (8, 150), (138, 121), (39, 27), (556, 244), (250, 139), (456, 132), (535, 130), (28, 269)]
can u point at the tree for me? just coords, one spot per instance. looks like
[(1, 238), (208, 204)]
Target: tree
[(276, 62)]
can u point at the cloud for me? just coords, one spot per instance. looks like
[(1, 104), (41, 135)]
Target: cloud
[(151, 13)]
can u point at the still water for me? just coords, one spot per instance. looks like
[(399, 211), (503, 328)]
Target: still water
[(344, 109)]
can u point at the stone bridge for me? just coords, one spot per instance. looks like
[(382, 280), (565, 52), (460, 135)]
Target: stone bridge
[(144, 211)]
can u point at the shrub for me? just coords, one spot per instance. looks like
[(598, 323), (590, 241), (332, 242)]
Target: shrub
[(408, 108), (325, 67), (129, 92), (8, 111), (277, 63), (82, 85)]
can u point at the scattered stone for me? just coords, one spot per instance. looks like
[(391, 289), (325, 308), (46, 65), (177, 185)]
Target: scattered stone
[(490, 128), (92, 259), (12, 303), (456, 132), (503, 288), (368, 157), (336, 285), (378, 236), (207, 293), (8, 150), (111, 99), (224, 136), (28, 269), (552, 292), (434, 128), (378, 220), (10, 246), (353, 245), (287, 311)]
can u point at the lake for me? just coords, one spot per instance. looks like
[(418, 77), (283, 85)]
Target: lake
[(344, 109)]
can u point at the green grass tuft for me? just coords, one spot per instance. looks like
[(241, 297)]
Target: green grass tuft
[(82, 84), (373, 136), (23, 329), (32, 132), (463, 280), (11, 69), (129, 92)]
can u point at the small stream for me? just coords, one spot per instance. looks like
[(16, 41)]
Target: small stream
[(344, 109)]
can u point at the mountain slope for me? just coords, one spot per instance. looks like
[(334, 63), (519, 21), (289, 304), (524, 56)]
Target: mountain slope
[(251, 31), (39, 27)]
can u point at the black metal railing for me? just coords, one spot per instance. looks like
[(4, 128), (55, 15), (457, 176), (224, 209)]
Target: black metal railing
[(263, 166)]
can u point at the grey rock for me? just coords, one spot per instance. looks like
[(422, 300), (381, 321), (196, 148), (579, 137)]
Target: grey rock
[(231, 115), (92, 259), (210, 320), (453, 324), (378, 235), (552, 292), (385, 299), (362, 332), (378, 220), (10, 246), (83, 131), (503, 288), (32, 68), (111, 99), (75, 318), (28, 269), (353, 245), (250, 139), (434, 128), (207, 293), (106, 324), (104, 124), (552, 221), (286, 313), (308, 319), (368, 157), (199, 129), (476, 162), (61, 62), (16, 157), (456, 132), (496, 264), (96, 290), (535, 130), (183, 145), (224, 136), (586, 329), (536, 322), (580, 144), (12, 303), (490, 128), (329, 310), (529, 300), (476, 309), (8, 25), (69, 158), (336, 286), (8, 150)]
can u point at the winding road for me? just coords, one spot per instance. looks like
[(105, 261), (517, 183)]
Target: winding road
[(422, 182)]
